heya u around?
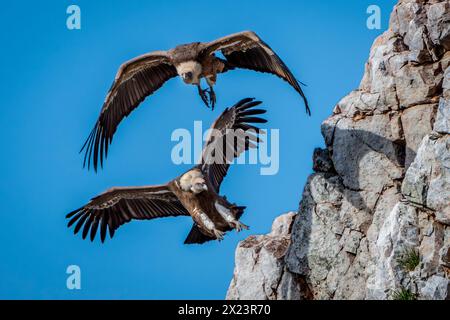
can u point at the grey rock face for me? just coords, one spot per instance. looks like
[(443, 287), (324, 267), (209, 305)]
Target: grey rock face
[(374, 218), (427, 181), (262, 273), (436, 288), (442, 123)]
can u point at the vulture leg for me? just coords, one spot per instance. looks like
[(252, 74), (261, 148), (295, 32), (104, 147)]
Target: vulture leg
[(211, 80), (202, 93), (212, 97), (229, 217), (209, 224)]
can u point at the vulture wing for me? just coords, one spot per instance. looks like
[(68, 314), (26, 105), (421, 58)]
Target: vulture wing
[(246, 50), (135, 80), (230, 135), (117, 206)]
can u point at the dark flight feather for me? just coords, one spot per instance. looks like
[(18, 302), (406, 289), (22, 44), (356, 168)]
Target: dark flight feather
[(120, 205), (196, 236), (135, 80), (233, 118), (247, 51)]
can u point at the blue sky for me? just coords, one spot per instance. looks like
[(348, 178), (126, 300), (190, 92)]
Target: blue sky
[(53, 84)]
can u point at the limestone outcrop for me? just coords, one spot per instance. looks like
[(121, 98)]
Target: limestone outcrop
[(374, 217)]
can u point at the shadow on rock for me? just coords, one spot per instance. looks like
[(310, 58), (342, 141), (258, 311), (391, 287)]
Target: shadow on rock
[(340, 198)]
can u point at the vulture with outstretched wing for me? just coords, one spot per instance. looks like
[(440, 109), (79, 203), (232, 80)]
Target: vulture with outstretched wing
[(194, 193), (143, 75)]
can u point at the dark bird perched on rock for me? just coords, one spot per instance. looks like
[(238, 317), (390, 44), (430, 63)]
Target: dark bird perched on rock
[(194, 193), (143, 75)]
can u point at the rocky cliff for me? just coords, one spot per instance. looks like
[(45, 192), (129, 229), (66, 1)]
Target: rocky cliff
[(374, 218)]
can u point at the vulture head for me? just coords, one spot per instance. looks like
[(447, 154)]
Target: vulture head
[(193, 181), (190, 71)]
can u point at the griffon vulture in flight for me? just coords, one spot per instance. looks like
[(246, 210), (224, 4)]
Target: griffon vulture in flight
[(194, 193), (143, 75)]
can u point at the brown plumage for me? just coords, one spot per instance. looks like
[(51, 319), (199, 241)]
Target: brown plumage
[(194, 193), (143, 75)]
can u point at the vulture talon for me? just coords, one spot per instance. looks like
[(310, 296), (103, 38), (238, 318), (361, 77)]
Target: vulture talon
[(202, 93), (219, 234), (212, 98), (239, 226)]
